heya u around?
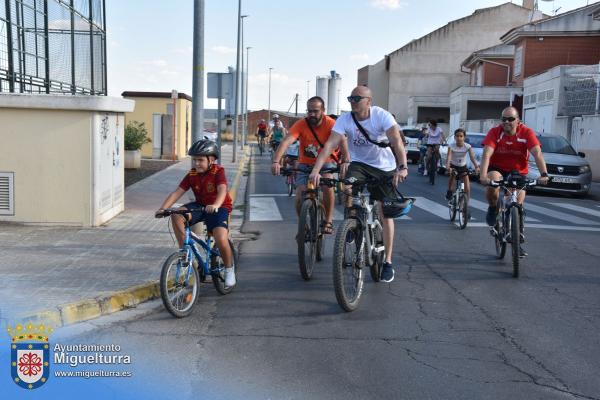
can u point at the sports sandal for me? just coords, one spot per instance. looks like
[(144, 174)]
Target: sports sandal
[(327, 228)]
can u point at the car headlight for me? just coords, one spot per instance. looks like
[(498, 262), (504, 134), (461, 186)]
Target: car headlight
[(584, 168)]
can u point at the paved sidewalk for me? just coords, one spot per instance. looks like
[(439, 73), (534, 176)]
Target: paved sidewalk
[(64, 275)]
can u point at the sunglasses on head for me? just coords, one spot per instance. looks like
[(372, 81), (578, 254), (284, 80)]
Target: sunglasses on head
[(508, 119), (356, 99)]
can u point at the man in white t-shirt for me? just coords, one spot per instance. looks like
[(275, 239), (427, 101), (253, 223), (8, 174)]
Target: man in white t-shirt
[(368, 159)]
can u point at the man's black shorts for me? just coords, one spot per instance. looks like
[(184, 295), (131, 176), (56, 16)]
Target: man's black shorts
[(362, 171)]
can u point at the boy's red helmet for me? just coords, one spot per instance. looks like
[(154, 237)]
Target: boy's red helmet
[(204, 147)]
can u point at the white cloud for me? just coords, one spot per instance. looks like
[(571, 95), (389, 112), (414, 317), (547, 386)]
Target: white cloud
[(156, 63), (387, 4), (223, 49), (184, 50), (360, 57)]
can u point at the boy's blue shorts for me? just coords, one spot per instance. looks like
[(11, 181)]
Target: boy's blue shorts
[(212, 221)]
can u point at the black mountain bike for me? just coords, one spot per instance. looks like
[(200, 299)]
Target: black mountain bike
[(459, 203), (358, 243), (509, 225)]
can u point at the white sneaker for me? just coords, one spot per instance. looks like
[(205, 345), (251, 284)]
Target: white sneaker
[(425, 173), (229, 277)]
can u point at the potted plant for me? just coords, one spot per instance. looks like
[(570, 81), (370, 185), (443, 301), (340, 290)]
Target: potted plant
[(136, 135)]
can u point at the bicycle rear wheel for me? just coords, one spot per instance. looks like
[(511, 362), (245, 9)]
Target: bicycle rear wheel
[(463, 211), (432, 169), (348, 260), (217, 270), (307, 239), (452, 207), (290, 185), (515, 230), (179, 284), (499, 229)]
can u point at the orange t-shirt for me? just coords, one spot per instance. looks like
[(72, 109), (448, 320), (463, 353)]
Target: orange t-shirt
[(309, 147)]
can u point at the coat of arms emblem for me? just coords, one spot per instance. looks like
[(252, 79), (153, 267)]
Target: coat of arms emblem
[(30, 355)]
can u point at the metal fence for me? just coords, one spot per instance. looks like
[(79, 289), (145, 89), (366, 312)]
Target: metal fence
[(582, 90), (53, 46)]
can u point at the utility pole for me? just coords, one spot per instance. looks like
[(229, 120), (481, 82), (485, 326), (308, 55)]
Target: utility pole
[(307, 90), (243, 87), (269, 120), (297, 104), (237, 83), (246, 91), (198, 72)]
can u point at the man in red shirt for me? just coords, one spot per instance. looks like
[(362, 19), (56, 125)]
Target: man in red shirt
[(506, 149)]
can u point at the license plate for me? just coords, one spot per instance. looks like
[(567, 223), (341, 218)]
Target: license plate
[(561, 179)]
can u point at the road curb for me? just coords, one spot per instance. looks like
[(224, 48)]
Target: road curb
[(88, 309)]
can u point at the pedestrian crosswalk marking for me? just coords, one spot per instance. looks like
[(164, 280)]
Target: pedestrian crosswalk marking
[(480, 205), (558, 215), (264, 209), (270, 195), (432, 207), (544, 226), (577, 208)]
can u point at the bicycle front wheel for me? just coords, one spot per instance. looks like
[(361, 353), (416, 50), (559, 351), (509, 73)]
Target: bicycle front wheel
[(463, 211), (307, 239), (452, 208), (432, 169), (377, 257), (515, 229), (348, 260), (217, 270), (179, 284)]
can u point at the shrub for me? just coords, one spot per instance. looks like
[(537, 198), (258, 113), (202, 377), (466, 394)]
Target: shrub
[(136, 135)]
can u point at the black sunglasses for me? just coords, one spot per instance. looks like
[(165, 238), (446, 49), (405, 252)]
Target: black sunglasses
[(509, 119), (313, 111), (355, 99)]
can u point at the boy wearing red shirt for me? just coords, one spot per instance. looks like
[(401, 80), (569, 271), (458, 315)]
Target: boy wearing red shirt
[(209, 184)]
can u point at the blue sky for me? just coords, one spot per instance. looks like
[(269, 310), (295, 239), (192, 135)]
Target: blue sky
[(150, 41)]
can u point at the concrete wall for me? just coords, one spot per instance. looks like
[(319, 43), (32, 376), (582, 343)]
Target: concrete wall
[(48, 163), (431, 64), (379, 84), (540, 85), (587, 140), (146, 106)]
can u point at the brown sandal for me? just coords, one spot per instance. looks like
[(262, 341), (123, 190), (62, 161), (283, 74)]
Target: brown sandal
[(327, 228)]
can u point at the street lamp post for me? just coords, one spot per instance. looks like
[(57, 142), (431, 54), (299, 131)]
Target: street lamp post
[(246, 91), (270, 68), (307, 90), (237, 83), (243, 88)]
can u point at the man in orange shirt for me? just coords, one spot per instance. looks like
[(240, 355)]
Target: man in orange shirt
[(310, 147)]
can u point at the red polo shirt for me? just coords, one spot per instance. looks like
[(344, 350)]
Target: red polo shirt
[(511, 152), (205, 185)]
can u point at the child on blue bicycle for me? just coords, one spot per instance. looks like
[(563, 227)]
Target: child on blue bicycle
[(209, 184)]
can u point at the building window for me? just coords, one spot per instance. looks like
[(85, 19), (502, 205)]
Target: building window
[(518, 60)]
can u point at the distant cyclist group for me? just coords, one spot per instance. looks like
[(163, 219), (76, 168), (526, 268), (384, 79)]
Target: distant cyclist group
[(366, 149)]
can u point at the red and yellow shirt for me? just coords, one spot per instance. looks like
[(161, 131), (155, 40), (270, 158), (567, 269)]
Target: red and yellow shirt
[(511, 152), (205, 185)]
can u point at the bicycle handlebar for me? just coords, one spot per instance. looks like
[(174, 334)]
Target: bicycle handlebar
[(514, 183), (171, 211)]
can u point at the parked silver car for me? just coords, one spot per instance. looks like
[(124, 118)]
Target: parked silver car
[(569, 170)]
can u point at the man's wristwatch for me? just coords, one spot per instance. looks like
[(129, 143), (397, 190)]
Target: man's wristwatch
[(401, 167), (544, 174)]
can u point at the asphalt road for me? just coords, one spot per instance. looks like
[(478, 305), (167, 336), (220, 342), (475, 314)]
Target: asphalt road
[(453, 324)]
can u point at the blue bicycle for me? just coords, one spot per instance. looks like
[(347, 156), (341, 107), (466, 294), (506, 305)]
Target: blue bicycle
[(180, 275)]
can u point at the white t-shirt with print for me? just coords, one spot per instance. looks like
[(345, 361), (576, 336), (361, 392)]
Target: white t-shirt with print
[(361, 149), (435, 136), (458, 157)]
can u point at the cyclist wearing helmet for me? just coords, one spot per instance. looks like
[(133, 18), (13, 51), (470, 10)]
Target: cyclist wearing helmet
[(261, 130), (209, 184), (277, 132)]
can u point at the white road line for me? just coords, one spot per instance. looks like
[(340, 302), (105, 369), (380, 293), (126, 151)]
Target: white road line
[(543, 226), (580, 209), (264, 209), (432, 207), (480, 205), (558, 215)]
